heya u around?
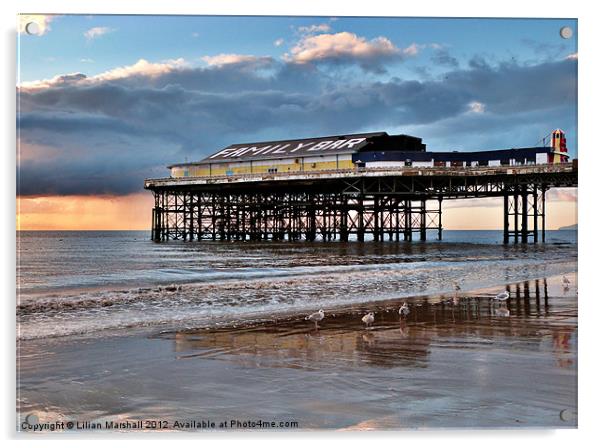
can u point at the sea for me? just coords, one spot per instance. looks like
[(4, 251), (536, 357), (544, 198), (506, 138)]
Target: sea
[(88, 283)]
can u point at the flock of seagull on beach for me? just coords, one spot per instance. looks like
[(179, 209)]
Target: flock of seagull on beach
[(404, 309), (367, 319)]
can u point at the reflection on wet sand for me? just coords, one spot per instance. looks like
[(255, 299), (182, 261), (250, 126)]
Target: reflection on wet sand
[(462, 361), (455, 322)]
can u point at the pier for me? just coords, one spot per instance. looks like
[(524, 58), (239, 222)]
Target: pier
[(400, 203)]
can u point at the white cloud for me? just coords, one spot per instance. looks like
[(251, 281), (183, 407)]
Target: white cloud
[(311, 29), (41, 20), (58, 80), (231, 58), (97, 31), (279, 42), (86, 60), (476, 107), (342, 45), (412, 50), (141, 68)]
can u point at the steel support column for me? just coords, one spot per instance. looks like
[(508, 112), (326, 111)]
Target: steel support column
[(506, 218)]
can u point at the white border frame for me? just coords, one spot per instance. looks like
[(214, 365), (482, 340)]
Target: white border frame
[(590, 153)]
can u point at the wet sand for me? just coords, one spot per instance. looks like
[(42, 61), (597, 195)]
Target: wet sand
[(459, 361)]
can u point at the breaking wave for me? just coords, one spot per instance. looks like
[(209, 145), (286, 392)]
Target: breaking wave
[(227, 302)]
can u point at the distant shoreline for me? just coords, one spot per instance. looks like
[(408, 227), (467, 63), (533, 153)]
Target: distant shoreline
[(571, 227)]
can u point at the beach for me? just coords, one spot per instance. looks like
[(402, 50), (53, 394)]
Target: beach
[(458, 360)]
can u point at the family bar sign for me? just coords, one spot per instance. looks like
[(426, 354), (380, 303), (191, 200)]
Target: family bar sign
[(282, 149)]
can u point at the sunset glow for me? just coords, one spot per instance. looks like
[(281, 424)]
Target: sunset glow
[(103, 106), (133, 212)]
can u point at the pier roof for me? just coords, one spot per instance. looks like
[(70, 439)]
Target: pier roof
[(316, 146)]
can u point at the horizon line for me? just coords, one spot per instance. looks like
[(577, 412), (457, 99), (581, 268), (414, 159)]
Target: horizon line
[(149, 230)]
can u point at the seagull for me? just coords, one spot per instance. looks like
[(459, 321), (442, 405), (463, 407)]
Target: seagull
[(502, 312), (368, 319), (403, 329), (404, 309), (502, 296), (316, 317), (565, 281), (457, 287)]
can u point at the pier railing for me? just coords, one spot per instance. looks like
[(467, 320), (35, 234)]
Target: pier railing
[(365, 172)]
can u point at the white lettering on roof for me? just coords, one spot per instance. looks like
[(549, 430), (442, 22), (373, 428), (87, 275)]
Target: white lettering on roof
[(337, 143), (279, 149), (238, 152), (285, 148), (302, 145), (320, 146), (354, 141), (265, 149), (255, 150), (223, 152)]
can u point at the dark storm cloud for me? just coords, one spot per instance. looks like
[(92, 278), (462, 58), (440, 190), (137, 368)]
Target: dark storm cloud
[(108, 135), (443, 57), (478, 131), (545, 49), (509, 88), (68, 123)]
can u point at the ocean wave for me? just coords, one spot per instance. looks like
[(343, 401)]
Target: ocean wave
[(223, 302)]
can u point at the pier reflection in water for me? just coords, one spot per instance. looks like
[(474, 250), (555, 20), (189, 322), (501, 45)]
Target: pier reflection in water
[(455, 361), (526, 319)]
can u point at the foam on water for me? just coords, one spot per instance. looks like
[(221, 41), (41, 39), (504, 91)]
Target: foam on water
[(221, 284)]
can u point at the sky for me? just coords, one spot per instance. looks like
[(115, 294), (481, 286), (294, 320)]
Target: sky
[(107, 101)]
